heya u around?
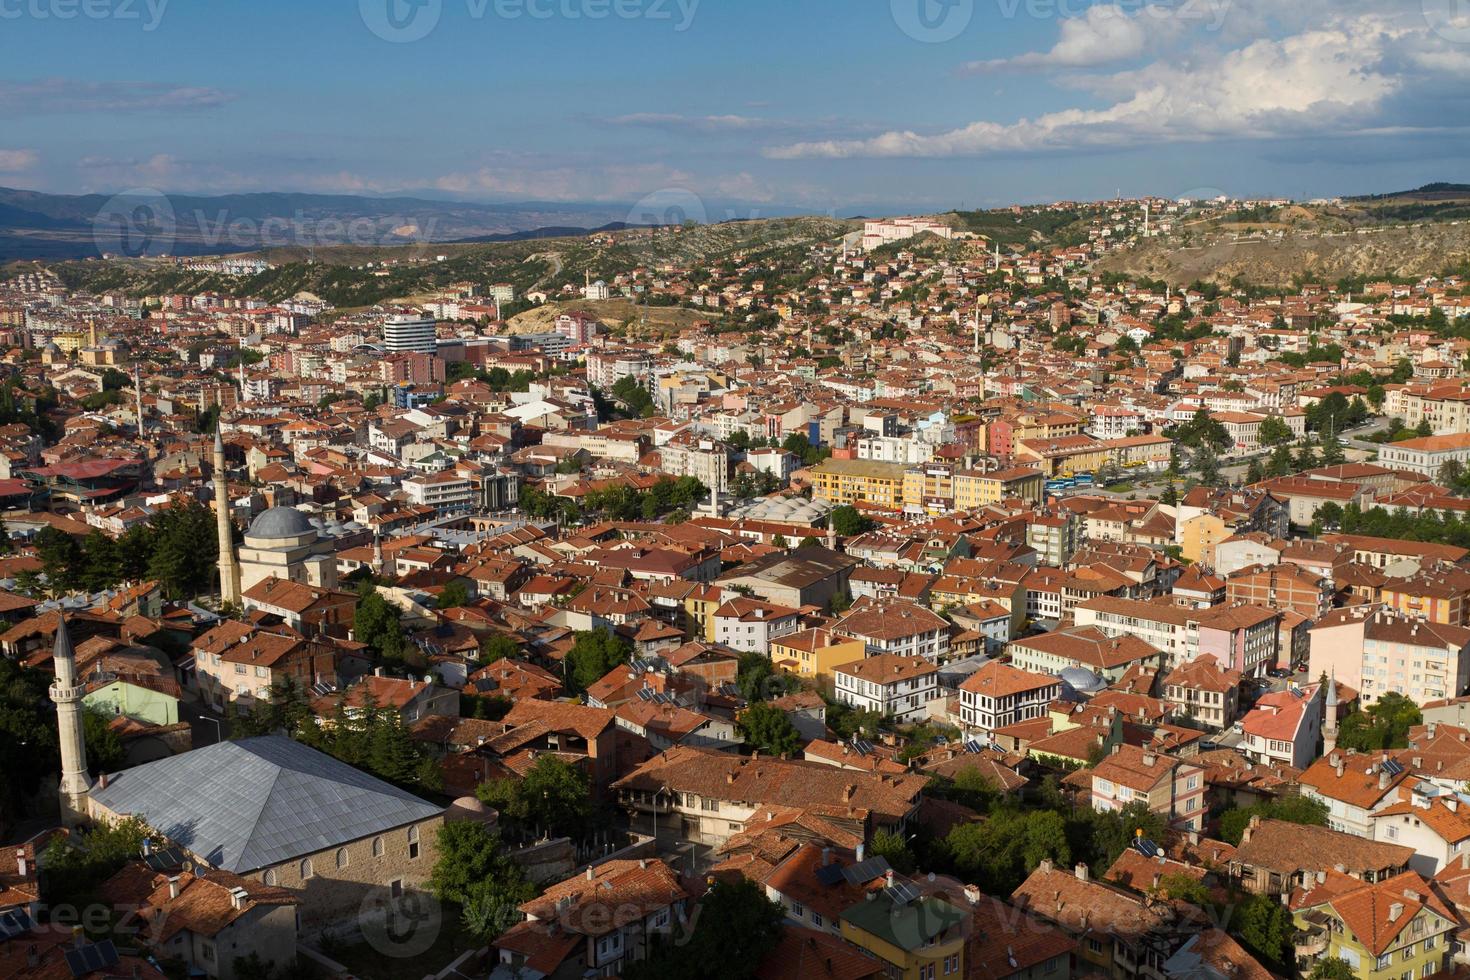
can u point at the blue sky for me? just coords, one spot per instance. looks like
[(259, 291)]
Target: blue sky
[(845, 105)]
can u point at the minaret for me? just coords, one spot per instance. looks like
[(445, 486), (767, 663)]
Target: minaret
[(138, 398), (229, 570), (377, 565), (67, 693), (1329, 713)]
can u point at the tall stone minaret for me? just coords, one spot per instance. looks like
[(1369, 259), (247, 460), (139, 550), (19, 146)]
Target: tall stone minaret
[(67, 693), (229, 569), (1329, 713), (138, 398)]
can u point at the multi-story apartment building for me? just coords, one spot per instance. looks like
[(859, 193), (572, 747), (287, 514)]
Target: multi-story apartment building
[(444, 491), (1377, 650), (974, 489), (1283, 728), (896, 626), (1086, 647), (893, 685), (1170, 787), (705, 459), (998, 695), (1242, 638), (852, 481), (750, 624), (1284, 587), (1203, 691)]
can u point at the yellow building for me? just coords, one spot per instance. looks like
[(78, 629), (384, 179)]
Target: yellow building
[(921, 940), (1065, 455), (1386, 930), (1198, 536), (973, 489), (850, 481), (929, 489), (699, 612), (813, 654)]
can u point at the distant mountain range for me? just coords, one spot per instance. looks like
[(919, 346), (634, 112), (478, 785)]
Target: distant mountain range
[(35, 225)]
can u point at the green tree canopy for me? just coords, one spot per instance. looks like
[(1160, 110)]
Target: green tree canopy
[(767, 728)]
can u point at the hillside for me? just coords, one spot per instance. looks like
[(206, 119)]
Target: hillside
[(35, 225), (1275, 247), (415, 273)]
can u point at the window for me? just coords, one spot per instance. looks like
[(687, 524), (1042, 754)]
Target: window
[(413, 842), (1094, 945), (306, 871), (206, 950), (395, 888), (1429, 944), (341, 857), (816, 918), (797, 909), (377, 847), (268, 876)]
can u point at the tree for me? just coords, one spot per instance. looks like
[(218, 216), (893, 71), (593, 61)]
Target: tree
[(1209, 468), (1292, 809), (1449, 473), (472, 870), (767, 728), (736, 927), (104, 748), (1332, 451), (892, 846), (377, 624), (1383, 725), (61, 558), (453, 595), (847, 522), (1274, 431), (1265, 928), (1332, 968), (74, 867), (1254, 473), (555, 797), (593, 654), (498, 646), (1000, 851), (758, 679)]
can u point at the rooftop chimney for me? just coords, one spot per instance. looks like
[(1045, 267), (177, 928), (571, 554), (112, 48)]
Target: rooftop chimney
[(173, 886), (20, 860), (1395, 910), (1081, 872)]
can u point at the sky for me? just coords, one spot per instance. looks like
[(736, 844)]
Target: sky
[(737, 106)]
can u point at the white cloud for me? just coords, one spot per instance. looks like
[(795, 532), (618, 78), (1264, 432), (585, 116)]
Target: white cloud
[(17, 161), (1334, 79), (1104, 35)]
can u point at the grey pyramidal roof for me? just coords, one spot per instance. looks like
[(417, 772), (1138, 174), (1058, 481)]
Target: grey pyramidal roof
[(258, 802)]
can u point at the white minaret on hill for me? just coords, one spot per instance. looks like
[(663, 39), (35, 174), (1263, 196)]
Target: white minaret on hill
[(67, 693), (229, 569)]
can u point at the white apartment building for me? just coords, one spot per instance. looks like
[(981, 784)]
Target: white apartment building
[(445, 491), (892, 449), (1425, 456), (997, 695), (405, 332), (892, 685)]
